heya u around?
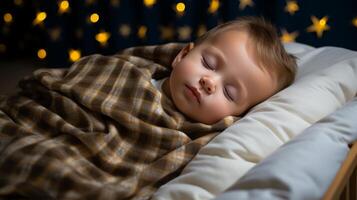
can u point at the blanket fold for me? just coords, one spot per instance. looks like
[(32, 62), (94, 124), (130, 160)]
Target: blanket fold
[(98, 130)]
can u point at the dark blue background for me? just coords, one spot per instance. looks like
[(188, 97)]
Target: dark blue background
[(22, 39)]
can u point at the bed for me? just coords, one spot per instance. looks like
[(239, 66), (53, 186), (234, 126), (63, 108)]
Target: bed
[(298, 144)]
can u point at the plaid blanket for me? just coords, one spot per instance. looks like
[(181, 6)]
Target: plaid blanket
[(97, 130)]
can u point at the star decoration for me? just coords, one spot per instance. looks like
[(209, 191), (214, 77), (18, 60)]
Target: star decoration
[(124, 30), (318, 26), (244, 3), (115, 3), (55, 33), (201, 30), (291, 7), (213, 7), (142, 32), (184, 33), (102, 37), (288, 37), (167, 33), (354, 22)]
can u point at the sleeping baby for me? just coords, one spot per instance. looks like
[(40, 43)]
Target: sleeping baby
[(228, 70), (120, 126)]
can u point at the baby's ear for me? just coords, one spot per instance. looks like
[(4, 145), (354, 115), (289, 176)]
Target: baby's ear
[(184, 51)]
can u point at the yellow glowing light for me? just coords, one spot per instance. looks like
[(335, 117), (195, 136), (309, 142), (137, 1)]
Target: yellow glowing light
[(318, 26), (74, 55), (8, 17), (167, 33), (291, 7), (142, 31), (2, 48), (288, 37), (63, 6), (124, 30), (213, 7), (354, 22), (102, 37), (94, 18), (40, 17), (115, 3), (149, 3), (184, 33), (201, 30), (180, 7), (244, 3), (41, 53), (18, 2)]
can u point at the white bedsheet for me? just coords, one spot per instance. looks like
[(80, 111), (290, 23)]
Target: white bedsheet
[(326, 80)]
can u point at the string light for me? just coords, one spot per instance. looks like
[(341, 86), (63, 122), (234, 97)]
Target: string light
[(2, 48), (94, 18), (115, 3), (18, 2), (201, 30), (102, 37), (41, 53), (124, 30), (244, 3), (142, 32), (74, 55), (184, 32), (40, 17), (167, 32), (8, 18), (63, 6), (55, 33), (213, 7), (149, 3), (180, 8), (354, 22)]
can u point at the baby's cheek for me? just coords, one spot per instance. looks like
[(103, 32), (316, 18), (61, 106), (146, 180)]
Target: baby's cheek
[(218, 111)]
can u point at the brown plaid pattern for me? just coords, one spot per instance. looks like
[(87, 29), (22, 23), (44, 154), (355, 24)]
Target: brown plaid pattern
[(98, 130)]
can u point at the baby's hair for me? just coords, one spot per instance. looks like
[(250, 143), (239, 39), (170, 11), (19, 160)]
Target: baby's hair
[(269, 51)]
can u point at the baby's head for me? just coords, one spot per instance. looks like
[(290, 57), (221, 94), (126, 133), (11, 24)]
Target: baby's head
[(229, 69)]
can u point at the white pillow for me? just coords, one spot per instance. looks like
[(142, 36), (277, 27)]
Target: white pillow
[(326, 79)]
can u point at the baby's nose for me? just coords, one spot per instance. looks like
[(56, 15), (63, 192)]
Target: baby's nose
[(208, 84)]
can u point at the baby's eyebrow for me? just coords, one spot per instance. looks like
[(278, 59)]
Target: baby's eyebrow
[(215, 52)]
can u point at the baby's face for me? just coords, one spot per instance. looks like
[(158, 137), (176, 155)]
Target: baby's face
[(218, 78)]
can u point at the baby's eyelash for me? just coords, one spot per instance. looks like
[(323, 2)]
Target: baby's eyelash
[(206, 64), (227, 94)]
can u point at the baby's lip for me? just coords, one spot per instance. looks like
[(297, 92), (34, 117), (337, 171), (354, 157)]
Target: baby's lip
[(195, 92)]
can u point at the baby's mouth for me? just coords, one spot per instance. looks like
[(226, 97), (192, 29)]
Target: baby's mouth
[(195, 92)]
